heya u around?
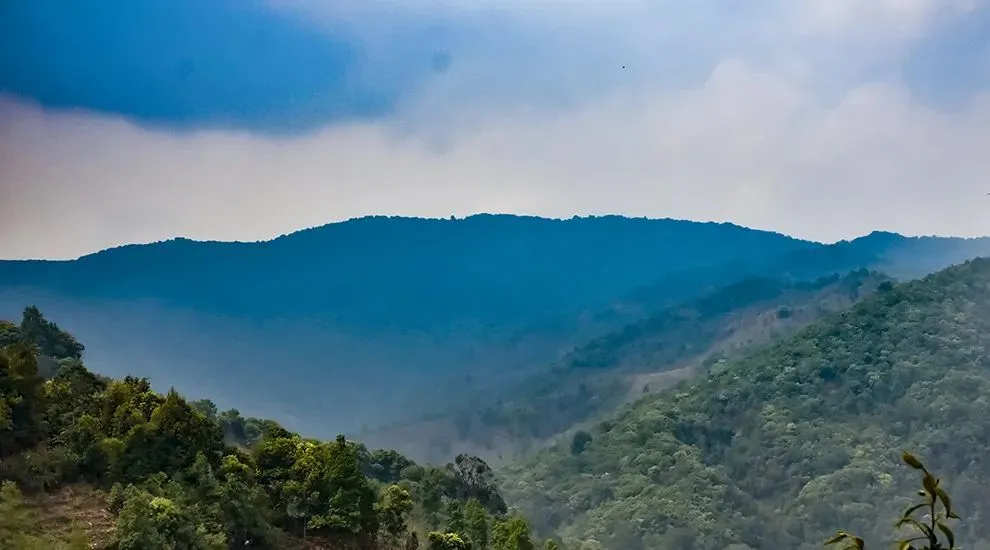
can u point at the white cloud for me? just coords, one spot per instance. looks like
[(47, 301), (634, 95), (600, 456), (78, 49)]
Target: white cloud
[(770, 138)]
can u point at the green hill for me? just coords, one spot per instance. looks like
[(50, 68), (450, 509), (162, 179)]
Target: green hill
[(672, 344), (91, 462), (780, 447)]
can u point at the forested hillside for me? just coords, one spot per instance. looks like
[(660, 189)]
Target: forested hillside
[(672, 344), (87, 461), (781, 446), (422, 303), (444, 310)]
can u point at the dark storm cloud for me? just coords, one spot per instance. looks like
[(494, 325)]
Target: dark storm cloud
[(188, 63)]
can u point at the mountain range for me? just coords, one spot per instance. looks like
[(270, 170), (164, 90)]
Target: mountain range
[(377, 320)]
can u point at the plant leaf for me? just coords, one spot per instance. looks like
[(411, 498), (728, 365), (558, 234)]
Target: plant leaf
[(948, 534), (944, 497), (911, 461), (913, 509)]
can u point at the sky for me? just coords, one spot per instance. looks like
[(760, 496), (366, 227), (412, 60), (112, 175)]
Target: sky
[(125, 121)]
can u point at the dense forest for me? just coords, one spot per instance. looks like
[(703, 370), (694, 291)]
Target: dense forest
[(780, 446), (149, 471)]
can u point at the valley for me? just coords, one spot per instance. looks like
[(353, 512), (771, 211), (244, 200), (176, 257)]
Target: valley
[(675, 343), (752, 398), (494, 275), (356, 326)]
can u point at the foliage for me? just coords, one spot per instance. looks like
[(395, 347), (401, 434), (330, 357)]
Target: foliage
[(498, 292), (580, 441), (393, 508), (599, 375), (512, 534), (183, 475), (445, 541), (931, 528), (21, 399), (476, 523), (9, 333), (49, 339), (775, 447)]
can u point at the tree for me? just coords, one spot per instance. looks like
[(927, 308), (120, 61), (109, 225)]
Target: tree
[(15, 518), (476, 521), (445, 541), (49, 339), (476, 479), (319, 486), (246, 510), (205, 407), (512, 534), (455, 518), (352, 501), (180, 476), (929, 530), (71, 394), (21, 399), (385, 466), (9, 334), (393, 509), (147, 522), (580, 440), (178, 433)]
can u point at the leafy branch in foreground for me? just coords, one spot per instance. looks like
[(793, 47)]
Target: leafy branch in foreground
[(930, 529)]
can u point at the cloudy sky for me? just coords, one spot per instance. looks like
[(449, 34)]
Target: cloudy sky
[(124, 121)]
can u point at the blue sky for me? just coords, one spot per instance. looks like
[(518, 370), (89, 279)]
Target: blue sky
[(243, 119)]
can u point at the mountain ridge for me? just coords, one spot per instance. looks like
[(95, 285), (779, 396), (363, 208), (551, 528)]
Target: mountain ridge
[(340, 309), (364, 220)]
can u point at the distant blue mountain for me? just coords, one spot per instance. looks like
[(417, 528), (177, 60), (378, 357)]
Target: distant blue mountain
[(420, 274), (365, 321)]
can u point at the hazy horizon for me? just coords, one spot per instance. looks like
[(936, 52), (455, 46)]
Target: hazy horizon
[(233, 120), (522, 215)]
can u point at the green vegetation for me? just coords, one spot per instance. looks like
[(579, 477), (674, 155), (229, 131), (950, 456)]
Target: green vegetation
[(762, 446), (447, 310), (179, 475), (931, 528), (672, 344), (777, 447)]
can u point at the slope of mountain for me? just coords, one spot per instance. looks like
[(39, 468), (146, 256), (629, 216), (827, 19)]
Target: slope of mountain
[(312, 324), (780, 447), (416, 274), (670, 345), (111, 464), (378, 319)]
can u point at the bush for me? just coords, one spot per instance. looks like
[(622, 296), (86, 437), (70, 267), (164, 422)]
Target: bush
[(930, 529)]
